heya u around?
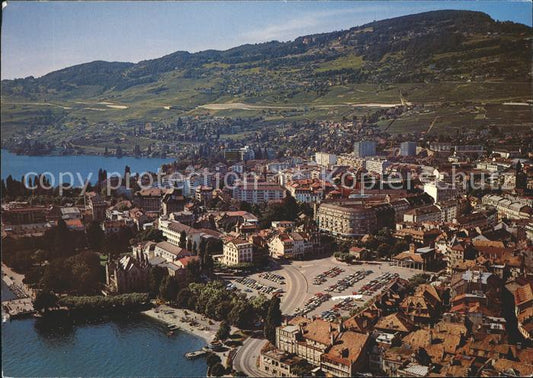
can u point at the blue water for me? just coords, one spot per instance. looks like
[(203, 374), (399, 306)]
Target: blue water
[(7, 294), (137, 346), (19, 165)]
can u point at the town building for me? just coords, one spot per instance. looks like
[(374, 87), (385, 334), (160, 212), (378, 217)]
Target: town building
[(346, 218), (377, 165), (408, 149), (128, 275), (324, 159), (415, 258), (429, 213), (364, 148), (291, 245), (237, 251), (149, 199), (258, 192), (441, 190)]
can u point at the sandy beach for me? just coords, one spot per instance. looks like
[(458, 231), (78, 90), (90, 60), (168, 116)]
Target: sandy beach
[(186, 320)]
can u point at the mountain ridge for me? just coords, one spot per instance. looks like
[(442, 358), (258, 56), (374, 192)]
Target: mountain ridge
[(352, 66), (460, 15)]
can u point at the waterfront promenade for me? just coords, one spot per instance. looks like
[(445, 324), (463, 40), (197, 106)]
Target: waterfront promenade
[(22, 305), (195, 324), (185, 320)]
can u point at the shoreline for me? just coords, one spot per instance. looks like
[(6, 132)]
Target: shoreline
[(125, 155), (182, 319)]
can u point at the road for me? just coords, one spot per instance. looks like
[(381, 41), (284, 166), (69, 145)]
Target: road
[(294, 297), (246, 358), (296, 289)]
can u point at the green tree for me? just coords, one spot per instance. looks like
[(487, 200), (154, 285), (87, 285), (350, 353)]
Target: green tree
[(212, 359), (183, 297), (192, 271), (44, 300), (95, 236), (273, 319), (63, 242), (155, 277), (290, 207), (168, 291), (223, 331), (183, 239), (218, 370)]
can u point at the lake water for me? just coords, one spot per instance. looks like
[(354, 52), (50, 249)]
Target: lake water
[(19, 165), (137, 346), (7, 294)]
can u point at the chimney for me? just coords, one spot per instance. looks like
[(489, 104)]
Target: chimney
[(331, 338), (412, 248)]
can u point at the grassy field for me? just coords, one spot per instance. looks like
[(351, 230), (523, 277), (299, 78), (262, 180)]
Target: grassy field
[(458, 104)]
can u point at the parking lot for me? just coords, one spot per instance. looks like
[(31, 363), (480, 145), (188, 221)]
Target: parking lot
[(323, 287)]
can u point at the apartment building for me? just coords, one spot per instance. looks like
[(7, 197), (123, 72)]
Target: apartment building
[(346, 219), (258, 192), (237, 251), (290, 245)]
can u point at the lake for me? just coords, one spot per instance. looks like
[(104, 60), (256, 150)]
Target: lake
[(19, 165), (137, 346)]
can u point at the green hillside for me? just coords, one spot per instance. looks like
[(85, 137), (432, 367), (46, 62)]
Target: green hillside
[(428, 58)]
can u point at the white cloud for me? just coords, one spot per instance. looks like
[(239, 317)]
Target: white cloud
[(294, 27)]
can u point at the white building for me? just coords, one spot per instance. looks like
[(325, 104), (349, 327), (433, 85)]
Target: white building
[(258, 192), (324, 159), (290, 245), (237, 251), (440, 190), (377, 165)]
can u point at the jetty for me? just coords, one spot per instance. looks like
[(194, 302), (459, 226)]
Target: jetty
[(197, 354)]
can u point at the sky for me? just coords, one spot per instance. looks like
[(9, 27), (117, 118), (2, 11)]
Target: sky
[(40, 37)]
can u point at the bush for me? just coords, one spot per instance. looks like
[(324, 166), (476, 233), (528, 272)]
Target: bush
[(218, 370), (98, 302), (212, 359), (223, 331)]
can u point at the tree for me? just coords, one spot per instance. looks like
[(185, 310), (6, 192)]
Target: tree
[(242, 315), (95, 236), (218, 370), (192, 271), (169, 288), (182, 299), (151, 234), (183, 239), (212, 359), (155, 277), (383, 250), (223, 331), (291, 207), (44, 300), (273, 319), (63, 242)]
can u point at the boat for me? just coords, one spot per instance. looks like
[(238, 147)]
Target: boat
[(197, 354)]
